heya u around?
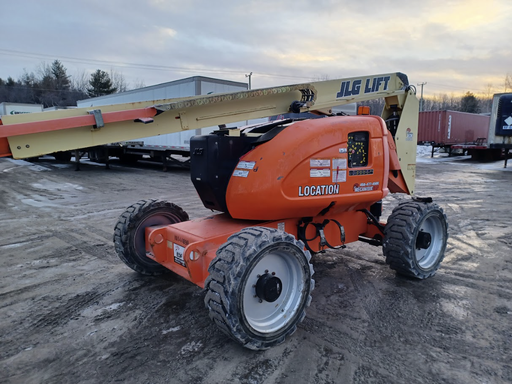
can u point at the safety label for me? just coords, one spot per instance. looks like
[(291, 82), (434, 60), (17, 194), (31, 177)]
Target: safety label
[(179, 254), (320, 163), (408, 135), (315, 172), (246, 164), (339, 163), (339, 176), (240, 173)]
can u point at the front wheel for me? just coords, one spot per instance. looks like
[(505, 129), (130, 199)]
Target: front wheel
[(259, 286), (415, 239)]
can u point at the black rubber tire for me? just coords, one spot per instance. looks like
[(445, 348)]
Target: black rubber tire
[(401, 235), (229, 275), (130, 158), (98, 155), (129, 233), (93, 155), (64, 156)]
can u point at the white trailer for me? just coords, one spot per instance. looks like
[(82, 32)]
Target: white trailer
[(500, 127), (19, 108), (161, 147)]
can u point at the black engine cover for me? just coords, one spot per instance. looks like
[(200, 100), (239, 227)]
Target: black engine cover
[(213, 159)]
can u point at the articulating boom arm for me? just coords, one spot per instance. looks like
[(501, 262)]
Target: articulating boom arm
[(36, 134)]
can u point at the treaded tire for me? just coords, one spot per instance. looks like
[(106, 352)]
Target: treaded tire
[(401, 246), (129, 232), (233, 275)]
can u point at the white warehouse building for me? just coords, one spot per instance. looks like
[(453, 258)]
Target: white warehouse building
[(191, 86)]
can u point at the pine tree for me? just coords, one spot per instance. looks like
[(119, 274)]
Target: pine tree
[(60, 76), (100, 84), (469, 103)]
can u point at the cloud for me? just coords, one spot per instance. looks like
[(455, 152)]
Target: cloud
[(453, 45)]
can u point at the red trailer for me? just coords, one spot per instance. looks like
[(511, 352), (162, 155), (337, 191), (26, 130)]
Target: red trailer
[(447, 128)]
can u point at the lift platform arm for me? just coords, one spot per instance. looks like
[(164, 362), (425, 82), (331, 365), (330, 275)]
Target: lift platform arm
[(36, 134)]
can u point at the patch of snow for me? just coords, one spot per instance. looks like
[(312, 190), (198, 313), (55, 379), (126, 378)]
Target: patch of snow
[(174, 329)]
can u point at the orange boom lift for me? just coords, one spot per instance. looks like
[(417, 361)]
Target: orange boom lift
[(283, 190)]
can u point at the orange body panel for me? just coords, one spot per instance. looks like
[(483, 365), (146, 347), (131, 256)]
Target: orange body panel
[(198, 238), (305, 169), (189, 247), (4, 147)]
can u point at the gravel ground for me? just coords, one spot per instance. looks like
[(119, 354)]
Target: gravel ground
[(72, 312)]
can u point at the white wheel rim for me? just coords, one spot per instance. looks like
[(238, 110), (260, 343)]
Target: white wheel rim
[(428, 257), (268, 317)]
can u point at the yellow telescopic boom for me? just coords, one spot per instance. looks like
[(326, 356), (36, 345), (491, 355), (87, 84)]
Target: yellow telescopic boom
[(36, 134)]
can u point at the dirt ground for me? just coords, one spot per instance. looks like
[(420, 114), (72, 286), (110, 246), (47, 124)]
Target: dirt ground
[(72, 312)]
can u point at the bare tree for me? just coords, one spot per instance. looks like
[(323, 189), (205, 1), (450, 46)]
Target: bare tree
[(80, 81), (508, 82), (486, 99), (118, 81), (138, 84)]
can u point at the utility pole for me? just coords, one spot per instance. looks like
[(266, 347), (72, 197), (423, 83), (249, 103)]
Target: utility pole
[(249, 76), (421, 99)]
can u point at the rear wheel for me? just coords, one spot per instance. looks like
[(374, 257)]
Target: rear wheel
[(259, 286), (130, 237), (415, 239)]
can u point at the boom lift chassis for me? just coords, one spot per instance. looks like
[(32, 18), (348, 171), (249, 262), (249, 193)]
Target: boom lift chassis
[(285, 190)]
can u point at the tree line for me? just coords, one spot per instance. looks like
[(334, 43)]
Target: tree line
[(51, 86), (469, 102)]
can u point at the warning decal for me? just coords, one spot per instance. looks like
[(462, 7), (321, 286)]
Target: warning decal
[(246, 164), (339, 163), (179, 254), (319, 172), (240, 173), (339, 176), (317, 163)]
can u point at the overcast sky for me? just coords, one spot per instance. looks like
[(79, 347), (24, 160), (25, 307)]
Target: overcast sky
[(453, 46)]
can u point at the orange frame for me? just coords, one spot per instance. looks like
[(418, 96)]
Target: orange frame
[(189, 247)]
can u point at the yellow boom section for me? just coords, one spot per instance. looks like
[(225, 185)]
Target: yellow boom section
[(36, 134), (74, 128)]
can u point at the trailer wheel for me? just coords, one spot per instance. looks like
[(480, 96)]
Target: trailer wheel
[(415, 239), (64, 156), (129, 158), (129, 233), (98, 154), (259, 286)]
